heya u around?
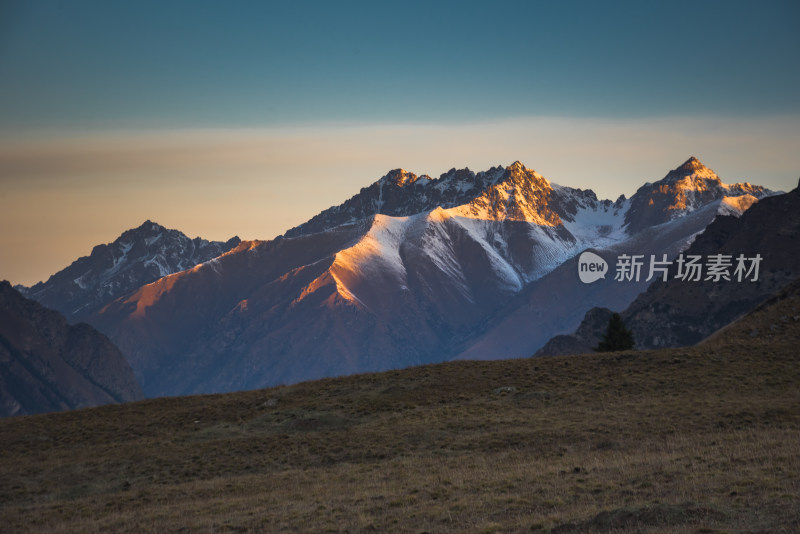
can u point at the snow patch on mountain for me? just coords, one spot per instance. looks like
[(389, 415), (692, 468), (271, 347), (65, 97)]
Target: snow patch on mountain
[(484, 233), (550, 251), (376, 254), (381, 244), (736, 206), (600, 225), (438, 247)]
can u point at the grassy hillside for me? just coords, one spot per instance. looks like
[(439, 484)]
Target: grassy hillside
[(705, 439)]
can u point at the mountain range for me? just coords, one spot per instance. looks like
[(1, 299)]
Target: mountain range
[(410, 270)]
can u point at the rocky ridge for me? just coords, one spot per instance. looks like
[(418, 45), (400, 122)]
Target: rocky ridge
[(137, 257)]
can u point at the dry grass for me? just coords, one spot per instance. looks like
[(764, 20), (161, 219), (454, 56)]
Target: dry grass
[(705, 439)]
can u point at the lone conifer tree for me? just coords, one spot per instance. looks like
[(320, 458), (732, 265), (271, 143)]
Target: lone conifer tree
[(617, 337)]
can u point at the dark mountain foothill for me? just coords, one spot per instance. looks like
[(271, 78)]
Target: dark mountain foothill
[(48, 365)]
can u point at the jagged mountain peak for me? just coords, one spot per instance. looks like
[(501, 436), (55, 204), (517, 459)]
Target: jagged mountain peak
[(691, 164), (399, 178), (519, 193), (401, 193), (689, 187), (149, 233), (459, 175), (518, 171), (151, 226), (143, 231), (138, 256), (691, 172), (148, 227)]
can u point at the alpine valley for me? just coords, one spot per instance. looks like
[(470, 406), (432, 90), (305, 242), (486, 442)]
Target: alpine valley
[(411, 270)]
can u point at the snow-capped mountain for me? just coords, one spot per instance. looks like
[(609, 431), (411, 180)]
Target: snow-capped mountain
[(511, 193), (660, 218), (675, 313), (517, 228), (410, 270), (404, 207), (137, 257), (685, 189)]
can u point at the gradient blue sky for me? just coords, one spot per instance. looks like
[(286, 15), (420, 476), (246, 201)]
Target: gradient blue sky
[(221, 118)]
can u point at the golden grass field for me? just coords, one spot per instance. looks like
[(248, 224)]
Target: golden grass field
[(702, 439)]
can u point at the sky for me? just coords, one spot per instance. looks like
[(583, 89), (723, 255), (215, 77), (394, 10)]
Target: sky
[(249, 117)]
